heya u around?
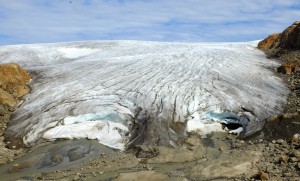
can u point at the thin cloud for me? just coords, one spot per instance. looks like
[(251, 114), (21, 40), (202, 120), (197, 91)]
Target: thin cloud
[(35, 21)]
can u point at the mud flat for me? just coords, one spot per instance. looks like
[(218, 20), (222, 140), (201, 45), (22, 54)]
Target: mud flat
[(219, 156)]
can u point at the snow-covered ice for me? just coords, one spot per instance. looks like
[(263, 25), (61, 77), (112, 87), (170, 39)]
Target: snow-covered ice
[(133, 91), (76, 52)]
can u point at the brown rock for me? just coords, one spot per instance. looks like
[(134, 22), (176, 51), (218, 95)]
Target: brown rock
[(288, 68), (284, 159), (269, 42), (285, 69), (221, 149), (284, 46), (288, 39), (13, 79), (7, 99), (13, 73), (264, 176)]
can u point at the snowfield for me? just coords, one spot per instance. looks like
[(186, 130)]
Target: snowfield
[(133, 92)]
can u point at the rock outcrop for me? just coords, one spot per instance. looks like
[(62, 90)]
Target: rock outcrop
[(289, 39), (13, 80), (13, 86), (270, 42), (284, 46)]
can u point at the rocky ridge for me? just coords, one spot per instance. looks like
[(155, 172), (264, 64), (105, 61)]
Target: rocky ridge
[(285, 47)]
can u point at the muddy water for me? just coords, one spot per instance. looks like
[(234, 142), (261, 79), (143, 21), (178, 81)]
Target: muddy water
[(49, 157)]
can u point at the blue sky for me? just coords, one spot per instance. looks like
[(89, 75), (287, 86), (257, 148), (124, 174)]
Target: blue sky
[(45, 21)]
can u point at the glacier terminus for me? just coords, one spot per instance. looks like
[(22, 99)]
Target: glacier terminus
[(125, 93)]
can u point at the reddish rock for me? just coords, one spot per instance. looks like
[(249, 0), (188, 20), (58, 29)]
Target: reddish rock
[(13, 79), (13, 84), (284, 46), (264, 176), (269, 42), (288, 68), (7, 99), (288, 39)]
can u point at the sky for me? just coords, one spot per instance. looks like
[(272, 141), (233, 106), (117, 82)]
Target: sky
[(48, 21)]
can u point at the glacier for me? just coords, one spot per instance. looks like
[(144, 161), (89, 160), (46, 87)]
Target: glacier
[(135, 92)]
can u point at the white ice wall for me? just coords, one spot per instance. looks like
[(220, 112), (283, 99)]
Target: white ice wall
[(114, 79)]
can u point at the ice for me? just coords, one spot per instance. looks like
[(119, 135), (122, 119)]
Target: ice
[(76, 52), (108, 133), (151, 88), (196, 124), (237, 131)]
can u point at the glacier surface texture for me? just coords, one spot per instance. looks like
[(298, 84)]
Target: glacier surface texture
[(132, 92)]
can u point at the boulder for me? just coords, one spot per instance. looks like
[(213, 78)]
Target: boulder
[(264, 176), (289, 68)]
